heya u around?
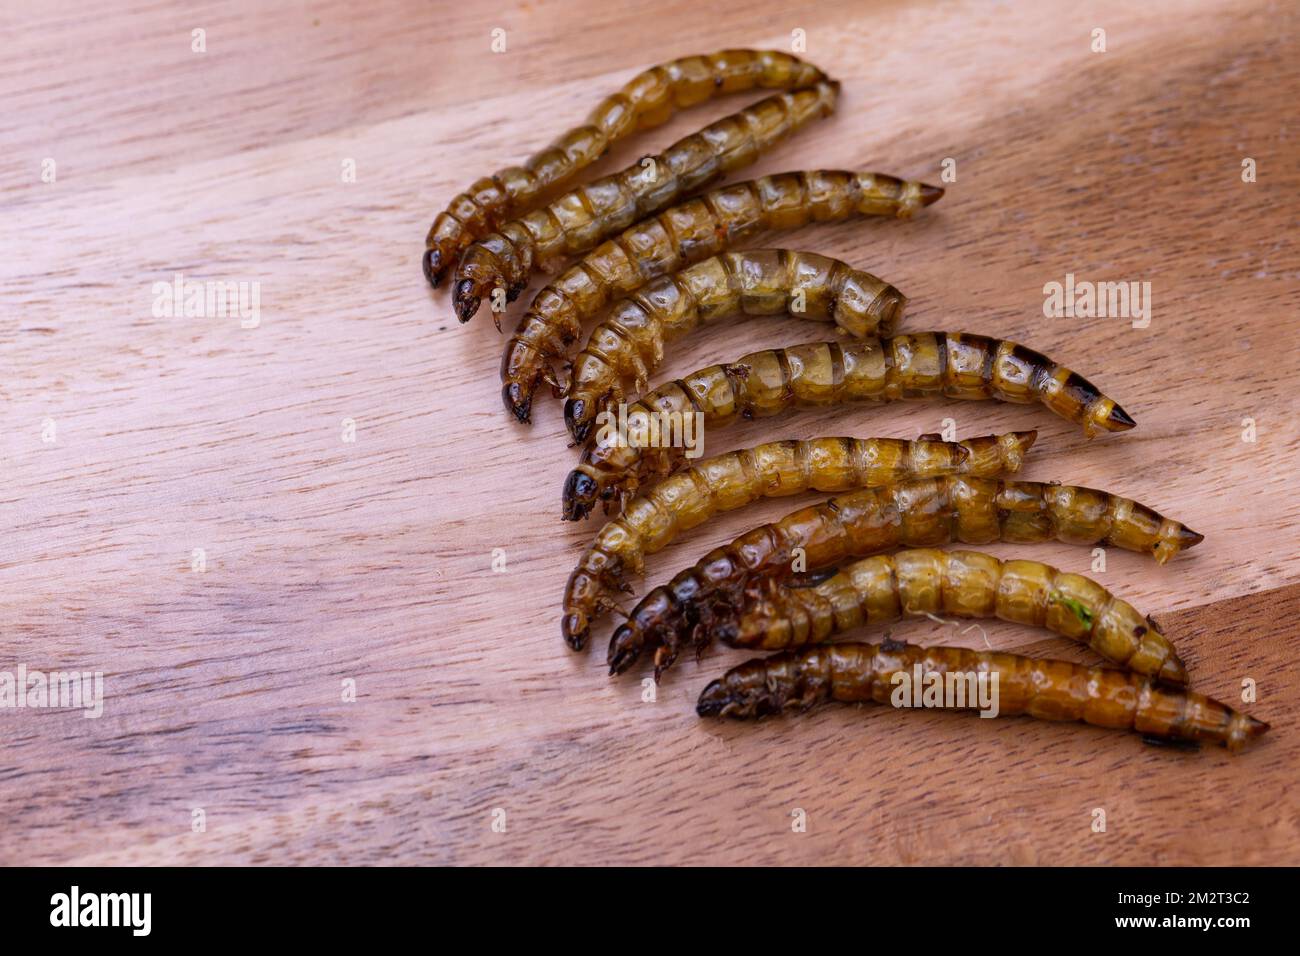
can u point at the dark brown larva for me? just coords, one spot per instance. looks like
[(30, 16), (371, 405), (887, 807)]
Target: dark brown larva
[(645, 101), (704, 601), (583, 217), (1046, 689)]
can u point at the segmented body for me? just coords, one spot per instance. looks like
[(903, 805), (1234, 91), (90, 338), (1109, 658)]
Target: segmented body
[(925, 364), (630, 342), (925, 581), (727, 482), (580, 219), (704, 601), (645, 101), (1046, 689), (678, 237)]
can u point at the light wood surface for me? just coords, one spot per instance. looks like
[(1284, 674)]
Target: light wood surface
[(370, 560)]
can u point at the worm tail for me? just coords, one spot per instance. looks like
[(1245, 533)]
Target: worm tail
[(1175, 714), (1079, 608), (975, 366)]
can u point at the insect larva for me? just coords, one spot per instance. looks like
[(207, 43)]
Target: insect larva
[(630, 342), (950, 364), (581, 218), (1046, 689), (925, 581), (704, 601), (727, 482), (676, 238), (645, 101)]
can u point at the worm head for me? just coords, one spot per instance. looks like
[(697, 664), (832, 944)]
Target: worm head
[(653, 624), (624, 647), (713, 700), (576, 630), (467, 297), (518, 399), (433, 266), (736, 695), (580, 494), (576, 417)]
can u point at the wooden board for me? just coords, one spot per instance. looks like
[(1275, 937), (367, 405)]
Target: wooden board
[(130, 440)]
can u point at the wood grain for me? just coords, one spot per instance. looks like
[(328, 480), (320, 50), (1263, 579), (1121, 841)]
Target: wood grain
[(370, 560)]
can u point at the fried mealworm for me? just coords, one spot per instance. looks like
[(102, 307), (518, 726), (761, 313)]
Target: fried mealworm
[(630, 342), (949, 364), (645, 101), (704, 601), (676, 238), (727, 482), (583, 217), (1046, 689), (926, 581)]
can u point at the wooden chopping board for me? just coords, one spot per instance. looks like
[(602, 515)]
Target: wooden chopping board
[(138, 449)]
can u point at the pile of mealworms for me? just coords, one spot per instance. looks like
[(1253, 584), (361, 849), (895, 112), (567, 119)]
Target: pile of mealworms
[(649, 247)]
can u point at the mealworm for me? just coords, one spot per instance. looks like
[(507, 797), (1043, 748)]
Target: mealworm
[(1046, 689), (727, 482), (924, 582), (645, 101), (949, 364), (679, 237), (581, 218), (630, 342), (705, 600)]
